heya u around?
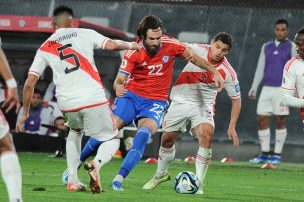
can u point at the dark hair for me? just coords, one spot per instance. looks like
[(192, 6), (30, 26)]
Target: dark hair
[(37, 91), (282, 21), (301, 31), (224, 37), (58, 118), (148, 22), (63, 9)]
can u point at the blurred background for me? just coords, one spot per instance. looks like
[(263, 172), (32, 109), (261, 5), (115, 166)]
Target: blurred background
[(250, 23)]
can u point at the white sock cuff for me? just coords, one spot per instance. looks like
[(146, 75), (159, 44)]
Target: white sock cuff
[(8, 155), (265, 132), (206, 152), (167, 150), (281, 131)]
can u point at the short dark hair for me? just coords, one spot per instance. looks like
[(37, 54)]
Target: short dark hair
[(282, 21), (63, 9), (148, 22), (223, 37), (38, 91), (301, 31)]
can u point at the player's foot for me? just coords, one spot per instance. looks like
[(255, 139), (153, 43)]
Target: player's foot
[(95, 185), (260, 159), (200, 190), (275, 160), (155, 181), (76, 187), (117, 186)]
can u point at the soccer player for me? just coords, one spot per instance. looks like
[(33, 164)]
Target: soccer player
[(79, 91), (273, 57), (293, 80), (193, 98), (10, 167), (142, 86)]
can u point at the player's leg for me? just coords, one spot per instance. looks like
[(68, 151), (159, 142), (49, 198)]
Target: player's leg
[(264, 111), (202, 124), (204, 133), (280, 113), (280, 136), (118, 107), (174, 122), (73, 148), (166, 155), (146, 127), (105, 131), (10, 168)]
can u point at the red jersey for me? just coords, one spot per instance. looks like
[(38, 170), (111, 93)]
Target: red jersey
[(150, 76)]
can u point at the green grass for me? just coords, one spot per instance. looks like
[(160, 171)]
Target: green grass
[(237, 181)]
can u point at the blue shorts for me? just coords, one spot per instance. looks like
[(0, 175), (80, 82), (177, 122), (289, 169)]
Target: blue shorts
[(132, 107)]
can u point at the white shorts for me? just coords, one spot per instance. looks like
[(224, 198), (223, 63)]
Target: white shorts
[(97, 122), (180, 114), (270, 102), (4, 127)]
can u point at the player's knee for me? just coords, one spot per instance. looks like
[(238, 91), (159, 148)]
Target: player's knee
[(6, 146), (280, 122), (262, 122), (167, 140), (205, 138)]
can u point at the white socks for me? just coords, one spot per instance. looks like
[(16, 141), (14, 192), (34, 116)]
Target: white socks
[(202, 161), (73, 149), (105, 152), (164, 157), (11, 174), (264, 137), (279, 140)]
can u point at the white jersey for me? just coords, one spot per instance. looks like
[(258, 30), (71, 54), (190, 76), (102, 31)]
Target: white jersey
[(293, 76), (69, 52), (196, 85)]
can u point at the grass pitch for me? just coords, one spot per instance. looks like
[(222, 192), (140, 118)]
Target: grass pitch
[(236, 181)]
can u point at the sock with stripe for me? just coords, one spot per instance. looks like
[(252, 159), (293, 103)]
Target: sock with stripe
[(202, 161)]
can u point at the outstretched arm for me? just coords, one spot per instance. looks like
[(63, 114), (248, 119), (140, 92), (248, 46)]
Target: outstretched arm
[(118, 45), (202, 63), (235, 112)]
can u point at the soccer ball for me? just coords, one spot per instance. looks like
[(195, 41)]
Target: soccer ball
[(186, 182), (65, 177)]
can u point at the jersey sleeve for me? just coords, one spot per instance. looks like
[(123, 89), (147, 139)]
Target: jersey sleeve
[(179, 47), (98, 40), (232, 84), (128, 62), (39, 64), (289, 78)]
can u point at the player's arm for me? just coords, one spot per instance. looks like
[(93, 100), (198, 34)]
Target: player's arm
[(289, 87), (120, 84), (28, 92), (235, 112), (37, 68), (259, 74), (12, 98), (118, 45), (191, 56)]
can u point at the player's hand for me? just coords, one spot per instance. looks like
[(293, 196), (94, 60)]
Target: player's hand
[(121, 90), (134, 46), (218, 80), (188, 53), (233, 135), (19, 125), (252, 94), (11, 100)]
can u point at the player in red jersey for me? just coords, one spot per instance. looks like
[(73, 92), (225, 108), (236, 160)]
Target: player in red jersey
[(142, 86)]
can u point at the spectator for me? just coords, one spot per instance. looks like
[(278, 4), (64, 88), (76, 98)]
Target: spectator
[(39, 114)]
